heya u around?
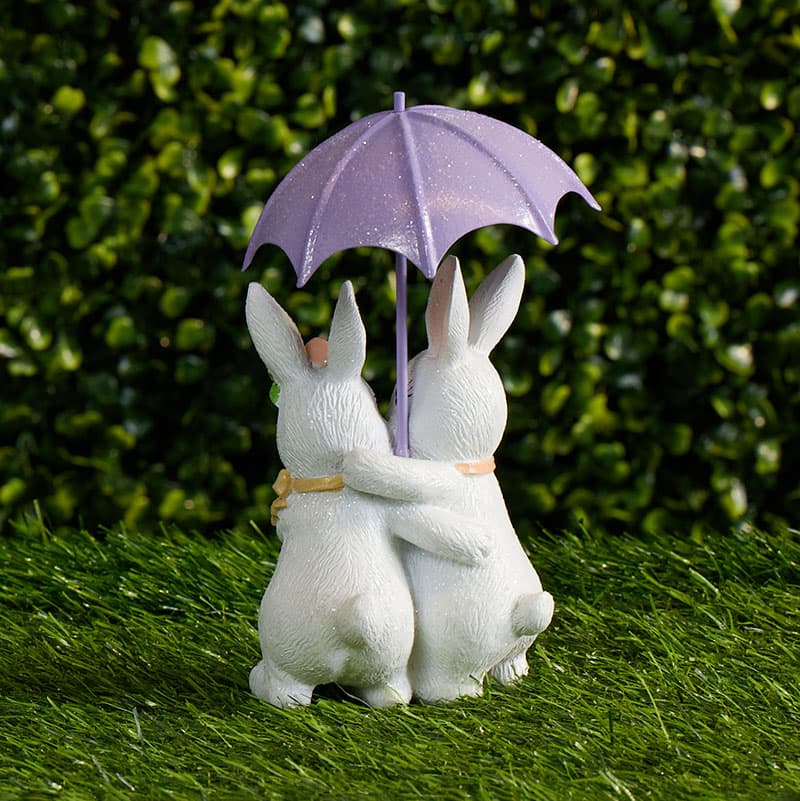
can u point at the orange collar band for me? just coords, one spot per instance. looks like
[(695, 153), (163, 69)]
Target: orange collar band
[(476, 468)]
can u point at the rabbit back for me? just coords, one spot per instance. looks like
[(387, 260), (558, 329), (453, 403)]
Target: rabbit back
[(469, 618), (338, 607)]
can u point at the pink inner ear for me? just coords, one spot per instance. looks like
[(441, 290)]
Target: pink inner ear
[(438, 309), (317, 350), (447, 315)]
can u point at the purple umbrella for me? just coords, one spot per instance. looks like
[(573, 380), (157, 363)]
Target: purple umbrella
[(413, 181)]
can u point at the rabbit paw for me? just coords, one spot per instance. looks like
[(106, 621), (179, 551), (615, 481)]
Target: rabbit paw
[(396, 691), (432, 690), (510, 670), (455, 537), (277, 688)]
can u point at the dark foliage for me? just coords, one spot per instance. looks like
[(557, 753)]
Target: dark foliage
[(654, 369)]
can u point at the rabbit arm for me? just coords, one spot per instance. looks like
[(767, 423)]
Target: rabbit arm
[(445, 533), (399, 478)]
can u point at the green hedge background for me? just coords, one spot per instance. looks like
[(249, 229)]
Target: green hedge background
[(653, 371)]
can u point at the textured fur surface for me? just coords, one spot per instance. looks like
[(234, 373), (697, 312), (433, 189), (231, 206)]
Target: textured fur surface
[(469, 619), (338, 607)]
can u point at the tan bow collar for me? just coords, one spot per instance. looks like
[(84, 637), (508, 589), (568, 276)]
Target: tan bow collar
[(285, 485)]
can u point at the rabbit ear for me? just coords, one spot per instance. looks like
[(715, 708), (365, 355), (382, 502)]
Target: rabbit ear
[(347, 342), (275, 335), (495, 303), (447, 314)]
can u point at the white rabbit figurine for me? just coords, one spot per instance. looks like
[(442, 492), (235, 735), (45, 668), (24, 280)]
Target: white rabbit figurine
[(469, 619), (337, 608)]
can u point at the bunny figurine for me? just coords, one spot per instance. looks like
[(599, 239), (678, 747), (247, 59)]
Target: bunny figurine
[(338, 607), (470, 619)]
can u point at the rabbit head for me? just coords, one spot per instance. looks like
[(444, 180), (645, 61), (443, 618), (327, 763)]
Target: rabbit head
[(457, 404), (323, 411)]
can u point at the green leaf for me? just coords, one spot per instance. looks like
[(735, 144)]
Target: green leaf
[(121, 332), (158, 57), (554, 396), (156, 54), (12, 491), (194, 334), (567, 95), (517, 383), (190, 369), (587, 167), (479, 90), (542, 499), (69, 100), (772, 94), (68, 356), (733, 498), (35, 334), (174, 301), (677, 438), (737, 358), (351, 27), (768, 457), (230, 163)]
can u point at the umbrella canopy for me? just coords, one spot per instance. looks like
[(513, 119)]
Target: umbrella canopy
[(413, 181)]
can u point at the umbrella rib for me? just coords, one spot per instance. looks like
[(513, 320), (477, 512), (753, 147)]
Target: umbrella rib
[(330, 185), (425, 229), (482, 147)]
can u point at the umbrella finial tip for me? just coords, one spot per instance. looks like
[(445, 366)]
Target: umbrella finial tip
[(399, 101)]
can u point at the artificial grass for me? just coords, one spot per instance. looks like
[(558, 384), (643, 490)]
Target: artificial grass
[(671, 671)]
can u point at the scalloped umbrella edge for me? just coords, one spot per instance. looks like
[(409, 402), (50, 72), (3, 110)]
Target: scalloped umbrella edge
[(413, 181)]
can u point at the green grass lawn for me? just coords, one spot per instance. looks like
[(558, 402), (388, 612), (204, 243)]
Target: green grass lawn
[(671, 671)]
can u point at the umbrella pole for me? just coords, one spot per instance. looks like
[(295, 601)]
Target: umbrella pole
[(401, 333)]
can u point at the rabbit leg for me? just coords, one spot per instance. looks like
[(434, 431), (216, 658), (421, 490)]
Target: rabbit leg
[(277, 687), (438, 672), (434, 687), (460, 539), (396, 691), (511, 669), (530, 616)]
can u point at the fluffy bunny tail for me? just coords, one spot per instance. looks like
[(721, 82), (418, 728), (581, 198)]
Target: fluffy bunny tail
[(532, 614), (356, 621)]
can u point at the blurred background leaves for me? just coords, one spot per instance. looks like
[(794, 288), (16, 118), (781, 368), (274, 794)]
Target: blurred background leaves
[(653, 371)]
